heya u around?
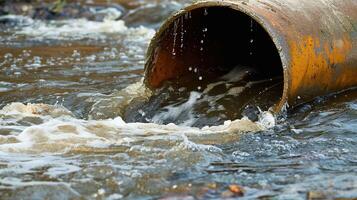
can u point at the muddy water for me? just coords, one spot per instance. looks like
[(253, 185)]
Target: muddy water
[(62, 91)]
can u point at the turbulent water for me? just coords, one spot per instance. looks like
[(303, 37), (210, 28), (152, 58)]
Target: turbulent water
[(65, 86)]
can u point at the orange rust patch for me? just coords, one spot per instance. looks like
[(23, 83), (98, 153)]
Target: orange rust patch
[(164, 67), (340, 48), (314, 66)]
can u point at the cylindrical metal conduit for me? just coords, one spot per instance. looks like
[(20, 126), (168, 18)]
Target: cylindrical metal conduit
[(311, 43)]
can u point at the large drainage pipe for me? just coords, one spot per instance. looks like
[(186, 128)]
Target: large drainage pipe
[(311, 44)]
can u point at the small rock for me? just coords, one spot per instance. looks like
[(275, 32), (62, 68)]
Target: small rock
[(315, 195), (251, 112), (237, 190)]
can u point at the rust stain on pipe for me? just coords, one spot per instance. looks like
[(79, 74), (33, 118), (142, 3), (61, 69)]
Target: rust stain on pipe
[(323, 74), (316, 42)]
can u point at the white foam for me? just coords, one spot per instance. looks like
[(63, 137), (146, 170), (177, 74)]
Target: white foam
[(187, 144), (64, 133), (19, 109), (76, 29), (174, 112), (267, 119), (110, 13)]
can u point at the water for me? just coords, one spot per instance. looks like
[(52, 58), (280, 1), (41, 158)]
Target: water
[(62, 137), (242, 92)]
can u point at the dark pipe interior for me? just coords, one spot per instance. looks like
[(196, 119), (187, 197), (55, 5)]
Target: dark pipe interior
[(214, 40)]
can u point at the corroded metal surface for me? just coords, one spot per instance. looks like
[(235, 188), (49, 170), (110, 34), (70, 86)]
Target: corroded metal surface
[(316, 40)]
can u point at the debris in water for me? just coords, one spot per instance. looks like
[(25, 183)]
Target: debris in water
[(236, 189), (315, 195)]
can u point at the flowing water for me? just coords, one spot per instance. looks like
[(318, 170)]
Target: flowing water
[(65, 85)]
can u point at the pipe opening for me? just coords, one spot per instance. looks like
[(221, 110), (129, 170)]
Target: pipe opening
[(212, 44)]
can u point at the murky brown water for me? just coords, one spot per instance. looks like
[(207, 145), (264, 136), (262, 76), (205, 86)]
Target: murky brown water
[(61, 137)]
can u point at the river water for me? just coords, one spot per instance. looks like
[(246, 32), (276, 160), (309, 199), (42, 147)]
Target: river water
[(64, 133)]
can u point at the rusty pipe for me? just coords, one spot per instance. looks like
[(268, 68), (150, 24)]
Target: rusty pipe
[(311, 44)]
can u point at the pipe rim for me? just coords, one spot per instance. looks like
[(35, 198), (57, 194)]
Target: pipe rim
[(277, 39)]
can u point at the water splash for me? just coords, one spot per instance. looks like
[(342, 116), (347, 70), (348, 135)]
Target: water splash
[(173, 112), (116, 104), (175, 33), (251, 42), (53, 129)]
